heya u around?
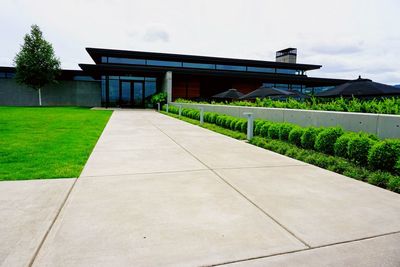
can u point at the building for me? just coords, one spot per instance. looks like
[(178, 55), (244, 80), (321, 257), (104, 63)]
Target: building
[(129, 78)]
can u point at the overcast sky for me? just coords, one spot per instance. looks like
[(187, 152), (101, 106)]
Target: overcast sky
[(348, 37)]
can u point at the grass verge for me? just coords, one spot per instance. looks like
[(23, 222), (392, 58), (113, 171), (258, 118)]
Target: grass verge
[(47, 142)]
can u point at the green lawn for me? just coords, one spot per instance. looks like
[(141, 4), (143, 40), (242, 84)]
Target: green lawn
[(49, 142)]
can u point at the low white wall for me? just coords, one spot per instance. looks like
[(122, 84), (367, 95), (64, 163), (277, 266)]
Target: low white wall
[(384, 126)]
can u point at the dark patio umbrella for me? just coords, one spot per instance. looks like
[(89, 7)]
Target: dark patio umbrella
[(361, 87), (271, 92), (229, 94)]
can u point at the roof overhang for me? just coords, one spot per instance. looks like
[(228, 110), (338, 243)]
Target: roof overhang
[(96, 70), (97, 53)]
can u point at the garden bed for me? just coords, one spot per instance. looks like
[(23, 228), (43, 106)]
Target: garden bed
[(357, 155)]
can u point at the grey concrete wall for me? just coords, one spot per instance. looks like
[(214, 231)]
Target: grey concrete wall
[(384, 126), (64, 93)]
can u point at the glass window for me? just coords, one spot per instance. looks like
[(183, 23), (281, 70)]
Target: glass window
[(282, 86), (285, 71), (113, 93), (268, 85), (198, 65), (2, 74), (129, 61), (10, 75), (231, 67), (132, 78), (83, 78), (164, 63), (261, 69), (103, 90), (104, 59), (151, 79), (150, 88)]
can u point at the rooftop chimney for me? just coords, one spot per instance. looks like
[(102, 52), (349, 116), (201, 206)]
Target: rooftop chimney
[(288, 55)]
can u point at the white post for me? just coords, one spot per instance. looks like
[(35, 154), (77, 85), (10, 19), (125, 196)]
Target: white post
[(166, 108), (158, 106), (201, 115), (250, 122), (40, 97), (180, 110)]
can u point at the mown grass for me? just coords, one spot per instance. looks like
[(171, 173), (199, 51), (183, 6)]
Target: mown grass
[(48, 142)]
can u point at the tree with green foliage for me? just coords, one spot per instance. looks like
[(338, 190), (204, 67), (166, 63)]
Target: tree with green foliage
[(36, 64)]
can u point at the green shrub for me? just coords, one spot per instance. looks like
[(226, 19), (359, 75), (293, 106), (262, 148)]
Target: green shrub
[(239, 125), (273, 131), (295, 135), (264, 129), (358, 147), (394, 184), (227, 123), (220, 120), (185, 112), (384, 155), (309, 136), (232, 125), (257, 126), (356, 173), (243, 129), (207, 116), (340, 147), (284, 131), (326, 139), (397, 166), (160, 97), (379, 178)]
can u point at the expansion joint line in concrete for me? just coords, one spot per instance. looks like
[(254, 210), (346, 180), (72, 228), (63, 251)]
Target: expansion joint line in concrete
[(305, 249), (52, 224), (238, 191)]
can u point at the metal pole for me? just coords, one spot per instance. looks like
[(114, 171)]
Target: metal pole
[(180, 110), (201, 115), (250, 123), (166, 108), (158, 106)]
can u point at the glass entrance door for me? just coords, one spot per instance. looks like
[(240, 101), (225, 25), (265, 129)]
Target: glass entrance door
[(126, 94), (138, 94), (131, 93)]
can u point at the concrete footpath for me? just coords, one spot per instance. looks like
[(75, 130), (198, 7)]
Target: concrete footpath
[(157, 191)]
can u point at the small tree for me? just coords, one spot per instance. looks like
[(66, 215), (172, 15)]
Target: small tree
[(36, 64)]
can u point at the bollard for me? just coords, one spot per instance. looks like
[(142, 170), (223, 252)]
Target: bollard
[(250, 123), (180, 110), (158, 106), (166, 108), (201, 115)]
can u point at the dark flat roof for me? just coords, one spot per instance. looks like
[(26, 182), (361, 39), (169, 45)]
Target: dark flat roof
[(97, 53), (96, 70)]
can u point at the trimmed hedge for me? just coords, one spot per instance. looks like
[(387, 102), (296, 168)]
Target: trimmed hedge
[(309, 136), (358, 148), (384, 155), (295, 135), (284, 131), (326, 139), (362, 149), (341, 147), (273, 130)]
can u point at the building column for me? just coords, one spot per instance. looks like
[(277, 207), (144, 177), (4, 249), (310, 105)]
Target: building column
[(167, 85)]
